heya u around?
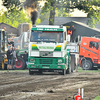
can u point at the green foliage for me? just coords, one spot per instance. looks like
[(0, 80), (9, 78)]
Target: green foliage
[(38, 21), (12, 4), (15, 18), (44, 16), (97, 98), (64, 7), (91, 7), (61, 13), (88, 71), (46, 7)]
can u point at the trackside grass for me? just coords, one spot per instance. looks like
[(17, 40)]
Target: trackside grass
[(87, 71), (90, 71), (97, 98)]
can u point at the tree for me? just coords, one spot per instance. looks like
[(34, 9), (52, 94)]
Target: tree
[(38, 21), (12, 4), (91, 7), (15, 18)]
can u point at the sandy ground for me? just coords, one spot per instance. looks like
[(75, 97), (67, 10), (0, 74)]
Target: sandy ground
[(19, 85)]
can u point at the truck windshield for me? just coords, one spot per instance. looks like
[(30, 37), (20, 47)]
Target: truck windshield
[(46, 36)]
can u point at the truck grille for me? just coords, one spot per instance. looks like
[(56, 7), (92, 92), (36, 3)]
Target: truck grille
[(46, 53), (45, 61)]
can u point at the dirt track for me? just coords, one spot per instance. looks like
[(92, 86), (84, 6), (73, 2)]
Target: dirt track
[(17, 85)]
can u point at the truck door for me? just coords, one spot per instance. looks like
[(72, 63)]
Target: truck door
[(3, 38), (2, 41), (5, 41), (94, 49)]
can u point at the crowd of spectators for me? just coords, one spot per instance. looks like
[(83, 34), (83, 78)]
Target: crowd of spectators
[(11, 55)]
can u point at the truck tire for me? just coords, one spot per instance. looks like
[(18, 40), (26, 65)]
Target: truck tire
[(5, 66), (86, 65), (63, 72), (72, 62), (31, 72), (69, 69), (19, 64)]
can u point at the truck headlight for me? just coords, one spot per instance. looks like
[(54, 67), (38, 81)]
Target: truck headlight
[(59, 60), (32, 60), (59, 66)]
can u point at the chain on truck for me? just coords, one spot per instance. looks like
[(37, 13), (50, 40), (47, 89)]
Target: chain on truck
[(47, 50)]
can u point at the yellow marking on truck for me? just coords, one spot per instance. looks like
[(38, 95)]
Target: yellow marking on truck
[(58, 46), (34, 45)]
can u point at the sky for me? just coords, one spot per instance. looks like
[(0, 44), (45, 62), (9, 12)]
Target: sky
[(1, 7), (0, 4), (76, 12)]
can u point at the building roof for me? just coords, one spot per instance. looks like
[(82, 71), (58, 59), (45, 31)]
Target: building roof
[(84, 25), (64, 20), (8, 25)]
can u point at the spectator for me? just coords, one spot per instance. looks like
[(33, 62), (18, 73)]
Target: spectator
[(12, 43), (25, 57), (9, 43), (9, 57), (14, 57)]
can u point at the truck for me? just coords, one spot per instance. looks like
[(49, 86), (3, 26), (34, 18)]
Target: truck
[(3, 48), (21, 43), (48, 51), (89, 53), (74, 52), (23, 27)]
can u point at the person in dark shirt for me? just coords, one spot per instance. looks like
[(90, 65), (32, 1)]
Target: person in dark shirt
[(14, 57), (12, 43), (9, 57), (25, 57), (9, 43)]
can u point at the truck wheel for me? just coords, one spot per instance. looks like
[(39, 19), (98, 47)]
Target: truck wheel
[(5, 66), (31, 72), (72, 62), (86, 65), (69, 69), (63, 72), (20, 64)]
